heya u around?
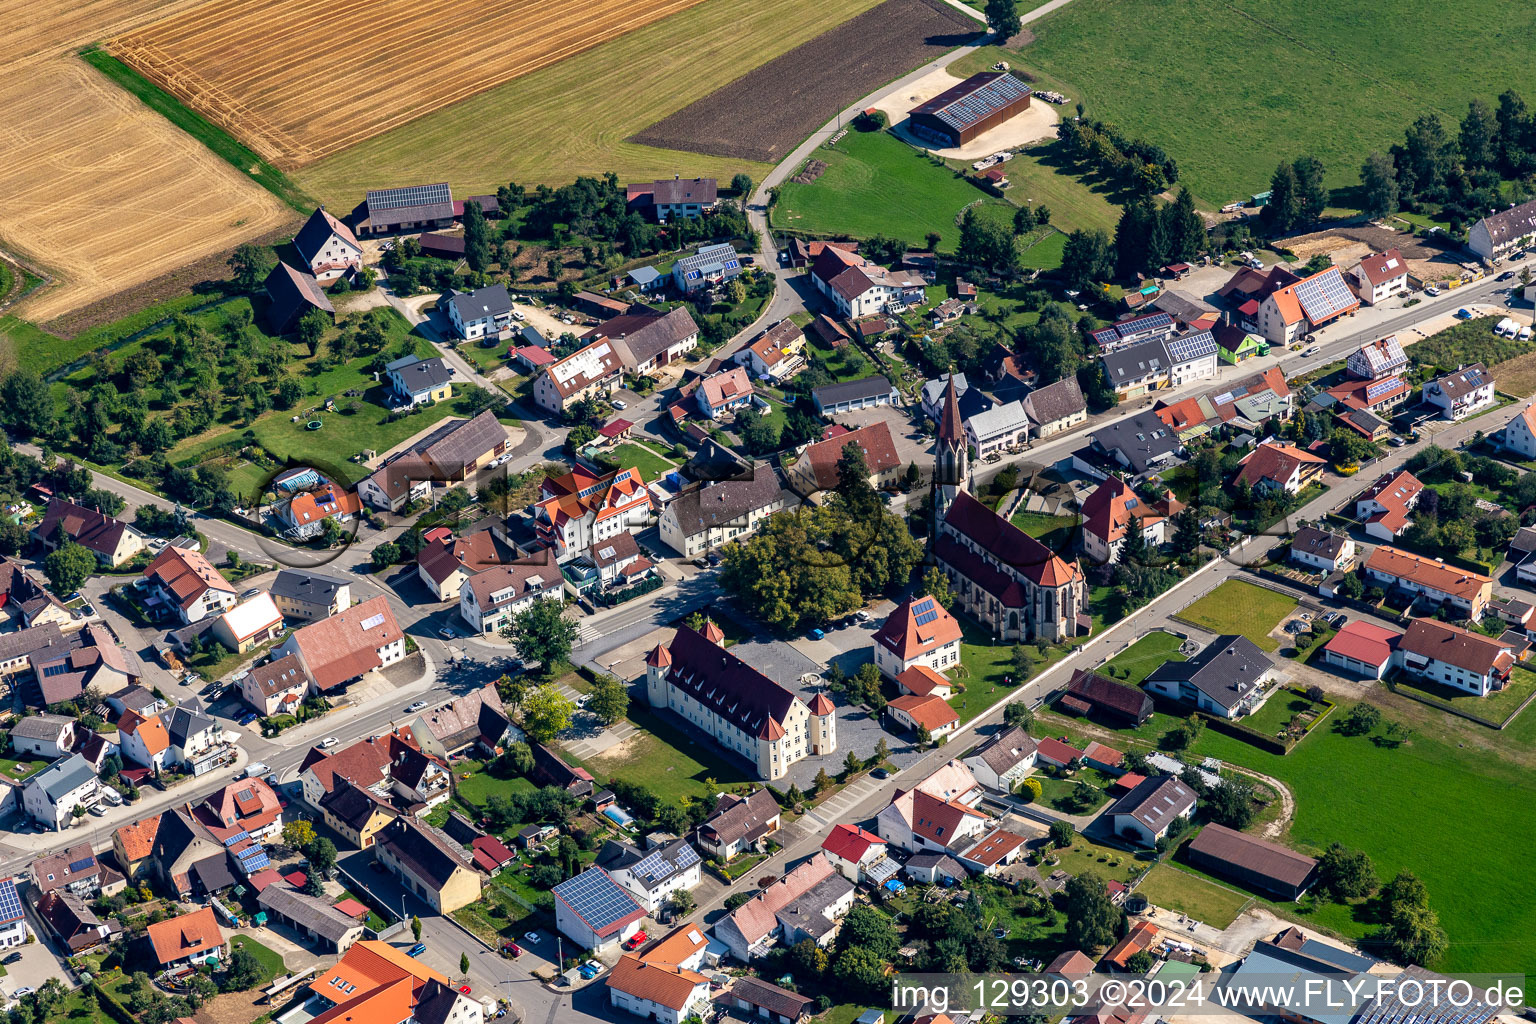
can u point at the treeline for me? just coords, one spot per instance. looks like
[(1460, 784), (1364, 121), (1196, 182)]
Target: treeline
[(1136, 164), (1151, 235)]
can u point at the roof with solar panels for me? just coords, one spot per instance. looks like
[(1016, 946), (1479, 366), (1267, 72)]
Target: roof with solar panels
[(917, 626), (1460, 383), (414, 204), (1319, 298), (603, 905), (974, 99)]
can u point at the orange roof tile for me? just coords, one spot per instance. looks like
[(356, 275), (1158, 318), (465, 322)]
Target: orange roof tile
[(902, 635), (928, 712), (137, 839), (184, 936)]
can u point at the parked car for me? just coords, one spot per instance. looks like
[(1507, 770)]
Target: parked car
[(1431, 291), (1310, 351), (1505, 276), (12, 958), (329, 742), (1397, 442), (511, 950), (1336, 620), (817, 634), (247, 718), (417, 950), (25, 990), (880, 773), (447, 634), (619, 403), (250, 593), (531, 936), (1463, 314), (862, 615)]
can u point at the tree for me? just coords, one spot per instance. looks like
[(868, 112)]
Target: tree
[(861, 973), (1023, 220), (936, 585), (1352, 586), (244, 970), (477, 238), (1086, 258), (808, 958), (1311, 196), (25, 405), (1003, 18), (1378, 185), (1361, 719), (741, 184), (249, 264), (68, 567), (464, 965), (1140, 963), (543, 634), (985, 241), (1425, 158), (1133, 238), (384, 554), (1092, 920), (1412, 934), (867, 928), (1479, 134), (1230, 803), (298, 834), (1345, 874), (311, 329), (1282, 211), (1018, 714), (1062, 834), (609, 699), (1186, 228), (933, 238), (416, 927), (546, 713), (322, 856)]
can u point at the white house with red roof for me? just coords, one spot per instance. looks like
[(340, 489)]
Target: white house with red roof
[(327, 246), (445, 561), (1362, 648), (1057, 753), (144, 741), (1458, 658), (1109, 512), (776, 353), (348, 645), (581, 508), (858, 287), (942, 805), (1467, 592), (852, 850), (185, 584), (1380, 276), (724, 392), (1373, 360), (1384, 506), (663, 983), (919, 632), (1282, 467), (922, 681), (1519, 435), (489, 600), (931, 714)]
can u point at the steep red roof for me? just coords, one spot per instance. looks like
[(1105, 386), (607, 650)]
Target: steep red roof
[(850, 842), (951, 427), (930, 712), (902, 635), (1365, 642), (1110, 508), (1275, 462), (874, 441)]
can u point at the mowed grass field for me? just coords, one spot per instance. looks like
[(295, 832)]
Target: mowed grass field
[(573, 117), (1240, 607), (1288, 76)]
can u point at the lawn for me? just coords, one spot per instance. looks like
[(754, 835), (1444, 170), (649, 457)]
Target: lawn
[(373, 920), (987, 671), (1105, 861), (1379, 799), (1139, 660), (875, 184), (576, 120), (479, 787), (1495, 707), (11, 767), (1082, 794), (1241, 607), (668, 761), (271, 963), (1360, 68), (651, 466), (1055, 532), (1168, 887), (1279, 709)]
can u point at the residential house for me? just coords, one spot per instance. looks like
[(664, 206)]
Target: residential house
[(480, 313), (1055, 407), (181, 582), (364, 763), (1384, 506), (253, 621), (595, 911), (724, 392), (1135, 330), (356, 812), (475, 721), (1009, 581), (951, 784), (449, 454), (416, 781), (707, 266), (445, 561), (934, 869), (1146, 813), (931, 714), (1458, 658), (579, 509), (1089, 693), (1235, 345), (24, 600), (301, 594), (1057, 753), (922, 681), (856, 286), (1462, 393), (1004, 759), (278, 686), (1367, 424), (709, 513), (737, 823), (1255, 400), (328, 247), (303, 516), (1380, 276), (133, 847), (247, 805), (741, 709), (1380, 397), (777, 353), (1141, 443), (1190, 417), (374, 981), (852, 395), (664, 200), (1519, 434), (1110, 513), (43, 736), (647, 280), (801, 253), (663, 984), (1228, 678), (71, 921), (999, 429), (1294, 311), (1274, 466), (416, 381), (652, 875), (1466, 592), (489, 600), (52, 796), (1322, 549), (992, 851), (88, 659), (144, 741), (853, 851), (112, 541), (1362, 648), (427, 864), (807, 903), (1160, 362), (187, 941), (1374, 360), (197, 741), (589, 372), (918, 632), (347, 645), (1501, 233), (315, 919), (814, 467), (75, 871), (291, 296), (645, 339)]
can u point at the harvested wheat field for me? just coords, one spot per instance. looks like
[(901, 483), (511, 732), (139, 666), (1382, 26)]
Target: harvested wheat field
[(106, 194), (299, 79)]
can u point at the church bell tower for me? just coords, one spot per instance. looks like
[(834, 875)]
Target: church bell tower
[(950, 458)]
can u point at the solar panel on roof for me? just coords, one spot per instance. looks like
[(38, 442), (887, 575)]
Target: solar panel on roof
[(10, 902), (373, 620), (596, 899), (1192, 346), (254, 859), (1143, 324), (1324, 296), (1376, 389), (411, 195), (232, 840), (82, 864)]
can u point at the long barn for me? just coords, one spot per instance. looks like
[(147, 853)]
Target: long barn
[(962, 112)]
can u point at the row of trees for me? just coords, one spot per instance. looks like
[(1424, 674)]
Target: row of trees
[(1135, 164), (1296, 195), (1152, 234)]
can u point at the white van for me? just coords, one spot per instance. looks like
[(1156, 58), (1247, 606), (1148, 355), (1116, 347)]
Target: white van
[(254, 770)]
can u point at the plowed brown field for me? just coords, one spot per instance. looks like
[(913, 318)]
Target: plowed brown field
[(299, 79), (99, 191)]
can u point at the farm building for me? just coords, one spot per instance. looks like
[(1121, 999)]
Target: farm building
[(327, 246), (959, 114), (677, 197), (1256, 863), (292, 293), (443, 247), (387, 211)]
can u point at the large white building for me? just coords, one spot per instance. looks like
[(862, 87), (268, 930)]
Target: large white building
[(1456, 657), (590, 371), (1462, 393), (858, 287), (709, 513), (484, 312), (736, 705), (1500, 233), (918, 632), (1380, 276), (489, 600), (1519, 436), (663, 983), (579, 509), (327, 246)]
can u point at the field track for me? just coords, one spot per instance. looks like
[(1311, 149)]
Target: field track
[(300, 79)]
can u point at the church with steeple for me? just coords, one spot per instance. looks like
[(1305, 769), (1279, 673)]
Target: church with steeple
[(1002, 577)]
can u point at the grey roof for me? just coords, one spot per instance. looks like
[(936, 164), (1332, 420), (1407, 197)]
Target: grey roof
[(671, 191), (482, 302), (309, 911), (278, 675), (213, 872), (663, 862), (851, 390), (1141, 440), (306, 586), (1184, 348), (1227, 670), (136, 698), (414, 203), (644, 275), (317, 231), (1156, 801), (644, 333), (421, 374), (1055, 401), (40, 727), (63, 777), (182, 722), (1311, 540), (942, 863), (933, 390), (435, 1003), (743, 816), (706, 504), (1511, 223), (293, 293), (354, 805), (1006, 749), (1273, 968), (1181, 305), (1463, 381), (808, 912), (1136, 361), (998, 420), (467, 442)]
